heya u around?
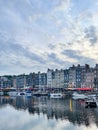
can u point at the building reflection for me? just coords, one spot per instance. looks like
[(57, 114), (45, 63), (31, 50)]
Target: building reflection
[(63, 109)]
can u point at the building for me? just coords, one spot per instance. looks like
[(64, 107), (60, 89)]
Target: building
[(31, 80), (62, 80), (21, 81), (79, 75), (50, 77), (72, 77), (89, 78), (6, 81), (96, 77), (75, 76), (85, 69), (42, 80), (56, 79), (66, 78)]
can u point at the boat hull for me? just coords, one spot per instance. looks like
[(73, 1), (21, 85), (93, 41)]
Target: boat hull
[(56, 95), (79, 96)]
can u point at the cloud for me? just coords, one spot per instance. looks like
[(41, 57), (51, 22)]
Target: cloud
[(90, 33), (78, 56), (53, 57), (72, 54), (63, 5), (37, 34), (15, 55)]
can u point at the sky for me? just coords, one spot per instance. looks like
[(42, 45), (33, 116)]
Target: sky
[(39, 34)]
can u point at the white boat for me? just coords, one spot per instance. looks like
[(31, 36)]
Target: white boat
[(21, 93), (28, 93), (92, 96), (76, 96), (56, 95), (12, 93)]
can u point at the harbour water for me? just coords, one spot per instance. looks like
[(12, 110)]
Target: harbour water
[(43, 113)]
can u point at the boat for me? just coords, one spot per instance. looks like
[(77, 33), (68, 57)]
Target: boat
[(56, 95), (12, 93), (91, 102), (21, 93), (28, 93), (77, 96), (24, 93), (92, 96)]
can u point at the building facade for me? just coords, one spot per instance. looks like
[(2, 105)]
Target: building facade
[(50, 78), (66, 78), (96, 77), (73, 77), (42, 80), (21, 81), (6, 82)]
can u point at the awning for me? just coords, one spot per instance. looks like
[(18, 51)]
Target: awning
[(85, 89)]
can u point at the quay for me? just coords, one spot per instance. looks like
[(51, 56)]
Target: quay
[(46, 91)]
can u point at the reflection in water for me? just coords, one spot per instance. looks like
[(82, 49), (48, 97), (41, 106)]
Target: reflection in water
[(70, 104), (59, 111)]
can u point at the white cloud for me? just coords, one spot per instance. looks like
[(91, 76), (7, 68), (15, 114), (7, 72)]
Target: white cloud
[(95, 18), (64, 5), (33, 28)]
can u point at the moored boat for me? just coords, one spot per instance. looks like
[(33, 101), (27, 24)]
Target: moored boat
[(91, 102), (56, 95), (21, 93), (12, 93), (76, 96), (28, 93)]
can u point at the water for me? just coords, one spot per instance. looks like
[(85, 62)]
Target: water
[(42, 113)]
